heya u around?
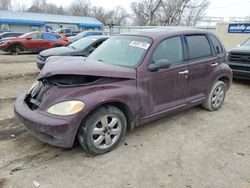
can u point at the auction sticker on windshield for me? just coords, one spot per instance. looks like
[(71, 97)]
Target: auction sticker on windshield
[(139, 44)]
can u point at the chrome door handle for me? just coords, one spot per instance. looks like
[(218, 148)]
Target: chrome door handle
[(214, 64), (184, 72)]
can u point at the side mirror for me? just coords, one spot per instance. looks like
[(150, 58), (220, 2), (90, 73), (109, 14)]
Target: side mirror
[(238, 45), (28, 38), (160, 64)]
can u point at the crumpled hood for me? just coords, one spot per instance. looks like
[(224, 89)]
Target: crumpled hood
[(82, 66)]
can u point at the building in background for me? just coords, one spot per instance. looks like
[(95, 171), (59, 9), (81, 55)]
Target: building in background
[(27, 21)]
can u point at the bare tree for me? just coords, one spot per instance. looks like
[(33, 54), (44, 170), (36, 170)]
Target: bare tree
[(172, 11), (195, 13), (80, 8), (5, 4), (100, 14), (19, 7), (145, 11), (168, 12), (119, 16), (41, 6)]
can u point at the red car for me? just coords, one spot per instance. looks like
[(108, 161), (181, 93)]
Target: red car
[(33, 42)]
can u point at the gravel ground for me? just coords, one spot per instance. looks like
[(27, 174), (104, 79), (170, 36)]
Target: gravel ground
[(192, 149)]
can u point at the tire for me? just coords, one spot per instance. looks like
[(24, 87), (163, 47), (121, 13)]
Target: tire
[(16, 49), (215, 97), (102, 130)]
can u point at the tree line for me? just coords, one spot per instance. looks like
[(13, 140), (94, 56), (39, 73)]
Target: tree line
[(143, 12)]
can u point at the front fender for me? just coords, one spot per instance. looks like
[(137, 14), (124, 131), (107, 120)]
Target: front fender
[(124, 92)]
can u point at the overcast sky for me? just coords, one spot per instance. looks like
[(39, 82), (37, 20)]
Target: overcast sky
[(217, 8)]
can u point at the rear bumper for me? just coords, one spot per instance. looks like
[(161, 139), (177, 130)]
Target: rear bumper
[(47, 128), (240, 69)]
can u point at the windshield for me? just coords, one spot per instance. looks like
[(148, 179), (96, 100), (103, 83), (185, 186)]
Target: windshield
[(247, 43), (125, 51), (82, 43)]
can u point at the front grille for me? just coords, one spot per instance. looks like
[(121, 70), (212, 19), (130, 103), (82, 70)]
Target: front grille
[(239, 57), (243, 68), (36, 95)]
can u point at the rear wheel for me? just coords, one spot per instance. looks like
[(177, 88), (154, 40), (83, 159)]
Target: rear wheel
[(102, 131), (216, 96)]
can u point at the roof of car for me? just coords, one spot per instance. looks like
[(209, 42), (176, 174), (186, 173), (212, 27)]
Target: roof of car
[(167, 31), (10, 32), (98, 36)]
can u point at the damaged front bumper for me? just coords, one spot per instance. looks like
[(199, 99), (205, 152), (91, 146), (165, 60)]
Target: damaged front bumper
[(50, 129)]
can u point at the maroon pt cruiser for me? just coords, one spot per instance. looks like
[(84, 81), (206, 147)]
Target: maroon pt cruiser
[(131, 79)]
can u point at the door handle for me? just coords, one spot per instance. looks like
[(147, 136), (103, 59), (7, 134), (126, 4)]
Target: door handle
[(184, 72), (214, 64)]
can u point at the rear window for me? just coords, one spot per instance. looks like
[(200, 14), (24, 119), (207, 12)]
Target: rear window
[(217, 46), (198, 46)]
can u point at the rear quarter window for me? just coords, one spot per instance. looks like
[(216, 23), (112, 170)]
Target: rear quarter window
[(217, 45), (198, 46)]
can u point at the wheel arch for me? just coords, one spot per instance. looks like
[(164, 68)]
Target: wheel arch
[(17, 44), (121, 106), (226, 80)]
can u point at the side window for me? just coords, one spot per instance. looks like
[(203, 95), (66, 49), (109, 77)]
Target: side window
[(67, 31), (198, 46), (50, 37), (36, 36), (217, 46), (11, 35), (170, 49)]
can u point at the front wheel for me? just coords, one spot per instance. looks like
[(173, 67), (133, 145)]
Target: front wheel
[(102, 130), (16, 49), (215, 97)]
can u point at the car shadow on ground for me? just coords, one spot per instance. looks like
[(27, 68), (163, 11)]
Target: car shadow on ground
[(242, 82)]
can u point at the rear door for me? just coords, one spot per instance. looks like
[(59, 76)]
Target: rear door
[(49, 40), (201, 62)]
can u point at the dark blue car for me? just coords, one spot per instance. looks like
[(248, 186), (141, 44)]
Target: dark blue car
[(84, 34)]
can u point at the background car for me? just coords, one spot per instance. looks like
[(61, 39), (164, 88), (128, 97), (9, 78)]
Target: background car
[(33, 42), (85, 34), (65, 31), (82, 47), (239, 60), (10, 34)]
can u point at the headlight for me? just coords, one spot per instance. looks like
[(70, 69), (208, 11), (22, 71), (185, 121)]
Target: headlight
[(33, 86), (66, 108)]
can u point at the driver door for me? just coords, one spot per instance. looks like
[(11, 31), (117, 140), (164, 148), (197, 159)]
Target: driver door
[(168, 87)]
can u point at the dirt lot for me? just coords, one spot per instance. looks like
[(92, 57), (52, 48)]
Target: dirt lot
[(193, 149)]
